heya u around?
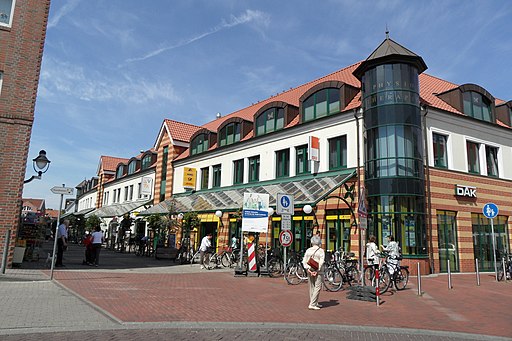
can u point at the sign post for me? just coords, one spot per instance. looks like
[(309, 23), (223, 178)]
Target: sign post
[(490, 211), (362, 213), (285, 207), (286, 239), (62, 191)]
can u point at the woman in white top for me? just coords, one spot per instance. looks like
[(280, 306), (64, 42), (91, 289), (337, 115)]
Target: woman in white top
[(315, 280), (97, 240), (372, 253), (394, 253)]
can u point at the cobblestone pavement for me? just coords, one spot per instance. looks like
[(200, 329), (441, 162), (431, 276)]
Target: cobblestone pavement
[(183, 302)]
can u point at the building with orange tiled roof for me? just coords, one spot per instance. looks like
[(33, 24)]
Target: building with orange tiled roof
[(378, 147)]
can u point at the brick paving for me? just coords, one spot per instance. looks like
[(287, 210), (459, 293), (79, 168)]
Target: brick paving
[(184, 302)]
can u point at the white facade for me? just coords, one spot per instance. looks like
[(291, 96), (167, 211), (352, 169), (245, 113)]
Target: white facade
[(88, 200), (128, 189)]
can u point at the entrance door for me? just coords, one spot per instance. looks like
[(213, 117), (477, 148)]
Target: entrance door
[(482, 240), (209, 227), (447, 238)]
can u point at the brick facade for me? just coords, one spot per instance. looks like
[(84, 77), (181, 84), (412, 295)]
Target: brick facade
[(20, 62)]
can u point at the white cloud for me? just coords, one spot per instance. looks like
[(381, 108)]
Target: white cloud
[(248, 16), (69, 6)]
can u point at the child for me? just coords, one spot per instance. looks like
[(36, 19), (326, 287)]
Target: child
[(88, 249)]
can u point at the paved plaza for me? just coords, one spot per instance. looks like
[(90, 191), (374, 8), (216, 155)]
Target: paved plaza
[(130, 298)]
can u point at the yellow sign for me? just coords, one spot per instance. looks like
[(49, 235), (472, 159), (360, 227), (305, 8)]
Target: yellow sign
[(189, 177)]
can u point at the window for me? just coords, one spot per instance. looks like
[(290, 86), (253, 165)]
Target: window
[(229, 134), (132, 166), (440, 157), (205, 175), (447, 240), (216, 175), (491, 155), (131, 192), (473, 157), (477, 106), (1, 81), (238, 171), (163, 178), (282, 163), (199, 144), (270, 120), (6, 12), (301, 160), (120, 171), (125, 193), (338, 152), (320, 104), (146, 162), (139, 189), (254, 168)]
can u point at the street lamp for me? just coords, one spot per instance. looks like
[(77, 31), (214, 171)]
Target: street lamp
[(307, 209), (218, 213), (42, 163)]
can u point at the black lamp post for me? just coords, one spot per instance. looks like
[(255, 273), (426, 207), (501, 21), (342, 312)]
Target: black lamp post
[(42, 163)]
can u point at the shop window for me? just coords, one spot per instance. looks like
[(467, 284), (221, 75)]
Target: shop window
[(477, 106), (338, 230), (205, 175), (338, 152), (282, 163), (229, 134), (270, 120), (199, 144), (6, 12), (216, 176), (491, 155), (447, 240), (238, 172), (482, 240), (254, 168), (321, 103), (440, 153), (301, 159), (473, 157)]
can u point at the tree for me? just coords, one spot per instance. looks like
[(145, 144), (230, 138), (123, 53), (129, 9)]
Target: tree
[(92, 222)]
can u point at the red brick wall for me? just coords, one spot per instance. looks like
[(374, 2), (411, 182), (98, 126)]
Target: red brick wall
[(21, 50)]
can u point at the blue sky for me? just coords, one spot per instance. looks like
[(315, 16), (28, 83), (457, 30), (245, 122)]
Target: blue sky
[(114, 69)]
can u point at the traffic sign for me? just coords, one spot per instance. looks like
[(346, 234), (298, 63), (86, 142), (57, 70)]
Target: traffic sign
[(286, 222), (490, 210), (286, 238), (62, 190), (284, 204)]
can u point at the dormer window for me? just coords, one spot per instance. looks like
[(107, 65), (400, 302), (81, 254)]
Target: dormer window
[(199, 144), (120, 171), (321, 103), (229, 134), (132, 166), (477, 106), (270, 120), (146, 162)]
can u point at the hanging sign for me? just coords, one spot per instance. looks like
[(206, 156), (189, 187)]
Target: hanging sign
[(314, 149)]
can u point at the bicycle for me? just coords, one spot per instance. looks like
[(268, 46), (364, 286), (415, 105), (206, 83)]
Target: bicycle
[(397, 277), (230, 257), (508, 268), (339, 270), (294, 272), (369, 275)]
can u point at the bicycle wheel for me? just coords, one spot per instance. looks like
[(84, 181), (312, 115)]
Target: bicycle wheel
[(353, 276), (368, 276), (500, 275), (384, 280), (275, 267), (225, 260), (210, 261), (333, 280), (401, 278), (291, 274)]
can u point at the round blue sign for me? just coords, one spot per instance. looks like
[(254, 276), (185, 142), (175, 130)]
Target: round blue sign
[(490, 210), (285, 201)]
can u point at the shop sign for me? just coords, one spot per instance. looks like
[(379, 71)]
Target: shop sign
[(314, 149), (189, 177), (465, 191)]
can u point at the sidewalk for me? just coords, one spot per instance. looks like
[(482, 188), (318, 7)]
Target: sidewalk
[(185, 298)]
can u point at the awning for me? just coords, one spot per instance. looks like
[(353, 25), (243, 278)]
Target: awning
[(309, 190), (118, 210)]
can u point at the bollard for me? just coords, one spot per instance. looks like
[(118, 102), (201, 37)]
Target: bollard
[(449, 275), (6, 250), (504, 269), (477, 273), (419, 280), (377, 288)]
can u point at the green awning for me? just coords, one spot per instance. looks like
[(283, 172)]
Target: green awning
[(308, 190), (118, 210)]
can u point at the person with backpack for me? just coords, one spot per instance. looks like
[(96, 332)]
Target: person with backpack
[(394, 254)]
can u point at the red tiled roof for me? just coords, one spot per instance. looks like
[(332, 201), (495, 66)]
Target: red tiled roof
[(52, 213), (36, 203), (109, 163), (180, 131), (430, 86)]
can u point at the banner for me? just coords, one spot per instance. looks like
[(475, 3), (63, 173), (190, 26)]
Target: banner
[(314, 149), (146, 186), (255, 212)]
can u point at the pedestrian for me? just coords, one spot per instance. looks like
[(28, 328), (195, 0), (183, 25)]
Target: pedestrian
[(316, 254), (88, 249), (372, 253), (97, 240), (206, 243), (234, 242), (394, 254), (62, 242)]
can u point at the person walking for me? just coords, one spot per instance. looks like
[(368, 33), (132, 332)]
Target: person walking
[(206, 243), (316, 254), (97, 240), (62, 242)]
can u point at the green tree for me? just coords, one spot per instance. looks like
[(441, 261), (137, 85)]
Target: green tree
[(92, 222)]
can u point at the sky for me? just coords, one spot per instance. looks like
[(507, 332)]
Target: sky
[(113, 70)]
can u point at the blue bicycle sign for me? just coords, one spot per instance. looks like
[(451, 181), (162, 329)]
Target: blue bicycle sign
[(490, 210), (284, 204), (285, 201)]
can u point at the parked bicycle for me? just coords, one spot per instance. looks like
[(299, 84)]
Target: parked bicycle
[(339, 270), (508, 268), (294, 272), (390, 273)]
